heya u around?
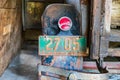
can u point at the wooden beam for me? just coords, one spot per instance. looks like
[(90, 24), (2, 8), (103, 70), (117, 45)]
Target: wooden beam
[(112, 67), (84, 16), (115, 36), (95, 28), (114, 52), (105, 27), (100, 31)]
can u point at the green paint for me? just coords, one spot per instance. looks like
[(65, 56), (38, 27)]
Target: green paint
[(51, 42)]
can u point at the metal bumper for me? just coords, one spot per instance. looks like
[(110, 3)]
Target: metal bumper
[(69, 75)]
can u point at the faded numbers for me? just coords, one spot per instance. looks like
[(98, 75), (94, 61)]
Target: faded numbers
[(69, 44), (76, 44), (56, 40), (49, 44)]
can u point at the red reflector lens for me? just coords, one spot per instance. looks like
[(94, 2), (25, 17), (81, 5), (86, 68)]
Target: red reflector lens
[(65, 27), (65, 23)]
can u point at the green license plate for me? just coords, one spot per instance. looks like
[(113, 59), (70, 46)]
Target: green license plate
[(62, 45)]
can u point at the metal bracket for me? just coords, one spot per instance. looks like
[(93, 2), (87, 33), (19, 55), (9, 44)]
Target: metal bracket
[(100, 67)]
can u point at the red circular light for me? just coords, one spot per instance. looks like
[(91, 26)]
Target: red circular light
[(65, 23)]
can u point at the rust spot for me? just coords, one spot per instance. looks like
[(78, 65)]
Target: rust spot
[(85, 2)]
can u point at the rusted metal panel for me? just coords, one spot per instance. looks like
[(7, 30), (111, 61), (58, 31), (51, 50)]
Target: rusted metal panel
[(82, 7), (65, 62), (53, 13), (73, 75), (50, 19), (62, 45)]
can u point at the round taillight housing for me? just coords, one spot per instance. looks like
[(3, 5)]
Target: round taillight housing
[(65, 23)]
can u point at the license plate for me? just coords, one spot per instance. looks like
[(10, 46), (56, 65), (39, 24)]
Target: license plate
[(62, 45)]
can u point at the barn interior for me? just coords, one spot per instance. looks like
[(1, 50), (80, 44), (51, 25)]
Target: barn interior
[(21, 26)]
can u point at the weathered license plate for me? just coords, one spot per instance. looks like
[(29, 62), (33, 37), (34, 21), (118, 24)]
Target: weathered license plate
[(62, 45)]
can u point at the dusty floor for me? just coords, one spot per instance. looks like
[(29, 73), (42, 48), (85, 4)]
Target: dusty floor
[(24, 66)]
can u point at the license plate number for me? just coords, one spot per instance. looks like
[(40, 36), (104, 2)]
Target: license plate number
[(62, 45)]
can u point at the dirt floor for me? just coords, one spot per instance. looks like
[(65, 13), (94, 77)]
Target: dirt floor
[(23, 66)]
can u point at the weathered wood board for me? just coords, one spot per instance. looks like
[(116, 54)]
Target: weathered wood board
[(8, 4), (95, 28), (8, 21), (10, 31), (115, 13), (100, 27)]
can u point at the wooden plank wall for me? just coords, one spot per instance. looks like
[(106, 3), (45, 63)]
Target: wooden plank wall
[(115, 13), (10, 31)]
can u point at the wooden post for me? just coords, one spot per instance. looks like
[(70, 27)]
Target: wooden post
[(100, 28), (105, 27), (95, 28)]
